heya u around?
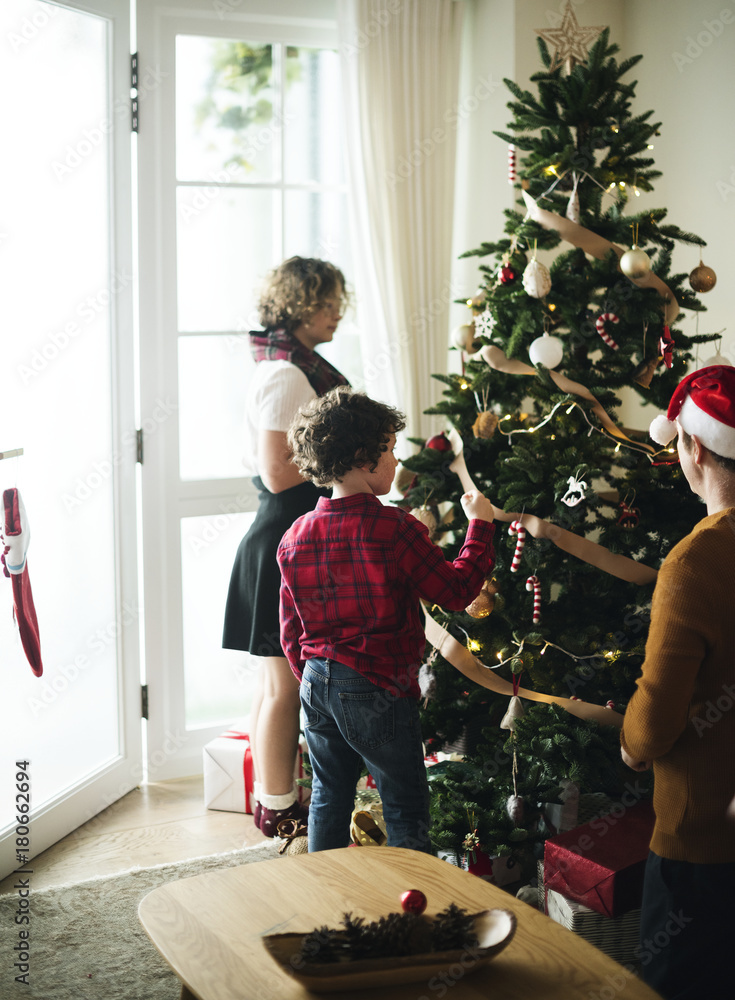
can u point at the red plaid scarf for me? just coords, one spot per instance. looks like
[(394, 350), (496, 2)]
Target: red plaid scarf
[(277, 345)]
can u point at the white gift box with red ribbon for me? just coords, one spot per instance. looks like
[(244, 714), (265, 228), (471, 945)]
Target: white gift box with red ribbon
[(228, 773)]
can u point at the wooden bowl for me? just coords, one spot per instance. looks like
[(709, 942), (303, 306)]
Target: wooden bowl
[(494, 930)]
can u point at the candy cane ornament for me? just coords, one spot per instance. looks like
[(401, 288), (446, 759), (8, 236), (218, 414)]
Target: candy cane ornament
[(600, 322), (532, 583), (516, 528)]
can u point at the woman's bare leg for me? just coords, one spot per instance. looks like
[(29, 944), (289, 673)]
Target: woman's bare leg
[(275, 736)]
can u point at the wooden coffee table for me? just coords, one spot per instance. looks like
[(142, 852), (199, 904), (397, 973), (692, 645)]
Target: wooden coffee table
[(209, 929)]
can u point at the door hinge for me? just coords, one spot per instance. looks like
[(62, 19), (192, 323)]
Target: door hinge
[(134, 117), (139, 445), (144, 701)]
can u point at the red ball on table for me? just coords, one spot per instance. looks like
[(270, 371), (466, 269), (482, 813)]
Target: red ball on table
[(413, 901)]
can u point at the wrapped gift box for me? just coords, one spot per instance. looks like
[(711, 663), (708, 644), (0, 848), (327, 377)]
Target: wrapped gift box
[(228, 773), (601, 863), (497, 871), (563, 815), (618, 937)]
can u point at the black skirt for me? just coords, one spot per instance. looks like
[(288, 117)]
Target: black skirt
[(251, 612)]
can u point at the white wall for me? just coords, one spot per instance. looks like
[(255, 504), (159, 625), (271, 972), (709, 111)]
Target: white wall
[(691, 87), (692, 96)]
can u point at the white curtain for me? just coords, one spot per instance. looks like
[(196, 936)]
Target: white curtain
[(400, 66)]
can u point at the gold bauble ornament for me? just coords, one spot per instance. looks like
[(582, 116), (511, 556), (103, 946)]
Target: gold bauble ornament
[(635, 263), (702, 278), (426, 517), (482, 605), (485, 425)]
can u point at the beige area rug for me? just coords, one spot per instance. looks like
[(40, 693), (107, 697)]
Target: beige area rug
[(85, 940)]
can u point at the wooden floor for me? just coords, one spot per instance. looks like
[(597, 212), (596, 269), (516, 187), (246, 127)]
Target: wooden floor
[(156, 823)]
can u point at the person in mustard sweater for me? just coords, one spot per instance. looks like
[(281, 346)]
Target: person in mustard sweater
[(681, 718)]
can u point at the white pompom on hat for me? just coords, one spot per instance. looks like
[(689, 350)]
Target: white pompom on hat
[(704, 405)]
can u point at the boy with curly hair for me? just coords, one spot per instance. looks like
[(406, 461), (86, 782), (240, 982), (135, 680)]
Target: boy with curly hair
[(353, 572)]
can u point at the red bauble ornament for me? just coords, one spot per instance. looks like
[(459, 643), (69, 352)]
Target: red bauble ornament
[(439, 442), (413, 901), (507, 274)]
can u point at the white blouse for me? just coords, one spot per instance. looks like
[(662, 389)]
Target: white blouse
[(275, 393)]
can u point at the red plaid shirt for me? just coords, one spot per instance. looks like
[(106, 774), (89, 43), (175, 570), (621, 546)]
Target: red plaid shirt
[(352, 573)]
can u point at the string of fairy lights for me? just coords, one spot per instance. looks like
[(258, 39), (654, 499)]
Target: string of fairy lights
[(569, 406), (475, 647)]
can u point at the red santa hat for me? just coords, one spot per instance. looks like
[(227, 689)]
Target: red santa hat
[(704, 404)]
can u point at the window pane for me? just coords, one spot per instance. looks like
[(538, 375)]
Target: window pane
[(315, 225), (225, 123), (55, 299), (313, 150), (225, 245), (219, 683), (214, 373)]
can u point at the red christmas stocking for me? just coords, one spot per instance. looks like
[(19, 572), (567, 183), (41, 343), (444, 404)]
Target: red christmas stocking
[(17, 537)]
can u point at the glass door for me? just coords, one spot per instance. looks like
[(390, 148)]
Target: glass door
[(239, 167), (68, 402)]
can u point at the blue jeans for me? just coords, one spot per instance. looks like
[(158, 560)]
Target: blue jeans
[(351, 721)]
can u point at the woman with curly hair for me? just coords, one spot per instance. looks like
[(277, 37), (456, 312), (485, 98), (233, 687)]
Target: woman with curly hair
[(300, 307)]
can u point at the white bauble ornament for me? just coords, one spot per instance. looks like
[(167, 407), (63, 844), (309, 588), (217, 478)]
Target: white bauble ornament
[(717, 359), (635, 263), (462, 336), (536, 279), (547, 351)]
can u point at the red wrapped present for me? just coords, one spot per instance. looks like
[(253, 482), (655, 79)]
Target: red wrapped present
[(497, 871), (600, 864)]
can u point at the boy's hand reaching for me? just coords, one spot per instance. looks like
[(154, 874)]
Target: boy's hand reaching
[(475, 504)]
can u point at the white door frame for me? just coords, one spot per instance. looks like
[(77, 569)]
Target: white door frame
[(166, 499), (78, 804)]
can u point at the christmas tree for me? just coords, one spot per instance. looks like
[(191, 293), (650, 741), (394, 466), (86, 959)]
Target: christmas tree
[(578, 300)]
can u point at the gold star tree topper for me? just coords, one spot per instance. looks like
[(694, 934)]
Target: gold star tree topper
[(570, 40)]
